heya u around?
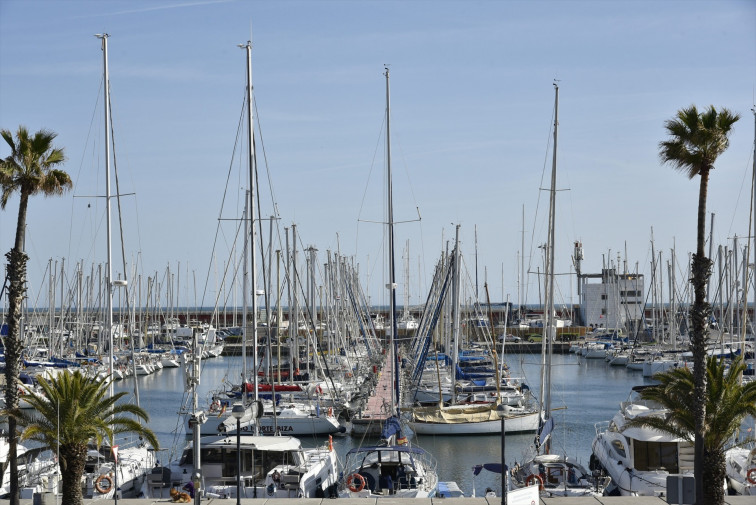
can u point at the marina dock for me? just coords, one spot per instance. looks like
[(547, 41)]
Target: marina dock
[(582, 500)]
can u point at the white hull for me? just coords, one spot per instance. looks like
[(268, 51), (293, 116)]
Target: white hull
[(520, 424), (288, 470), (285, 425)]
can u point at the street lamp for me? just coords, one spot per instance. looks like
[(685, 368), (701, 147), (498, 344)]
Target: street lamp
[(238, 413), (501, 410)]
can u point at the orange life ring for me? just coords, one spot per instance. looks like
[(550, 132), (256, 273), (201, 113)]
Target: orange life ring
[(98, 484), (355, 482), (752, 476), (532, 478)]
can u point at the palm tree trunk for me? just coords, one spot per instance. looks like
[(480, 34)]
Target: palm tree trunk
[(13, 348), (73, 457), (700, 313), (716, 470), (13, 344)]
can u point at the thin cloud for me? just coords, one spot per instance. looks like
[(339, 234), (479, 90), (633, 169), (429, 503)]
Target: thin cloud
[(160, 8)]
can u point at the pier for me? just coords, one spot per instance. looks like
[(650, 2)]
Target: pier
[(580, 500)]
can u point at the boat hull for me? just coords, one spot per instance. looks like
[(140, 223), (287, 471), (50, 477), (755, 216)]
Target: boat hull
[(520, 424)]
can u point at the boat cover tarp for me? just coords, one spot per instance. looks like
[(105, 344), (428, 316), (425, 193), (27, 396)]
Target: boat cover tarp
[(391, 427), (491, 467), (455, 415)]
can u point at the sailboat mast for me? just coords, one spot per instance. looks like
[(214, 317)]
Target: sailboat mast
[(455, 313), (550, 264), (109, 266), (392, 272), (549, 334), (251, 200)]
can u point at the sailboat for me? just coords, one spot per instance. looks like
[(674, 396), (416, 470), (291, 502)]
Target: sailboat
[(114, 470), (556, 474), (240, 464), (470, 419), (395, 468)]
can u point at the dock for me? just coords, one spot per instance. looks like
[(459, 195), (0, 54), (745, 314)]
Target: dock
[(580, 500)]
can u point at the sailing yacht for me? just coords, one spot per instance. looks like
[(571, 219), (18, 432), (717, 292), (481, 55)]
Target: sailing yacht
[(114, 471), (556, 474), (476, 418), (274, 466), (394, 468)]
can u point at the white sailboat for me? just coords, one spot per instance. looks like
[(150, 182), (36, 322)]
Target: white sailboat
[(556, 474), (394, 469), (266, 466), (470, 419), (113, 470)]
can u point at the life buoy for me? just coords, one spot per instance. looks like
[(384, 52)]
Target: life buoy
[(98, 484), (355, 482), (215, 406), (751, 476), (532, 478)]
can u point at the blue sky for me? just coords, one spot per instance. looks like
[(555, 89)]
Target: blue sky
[(472, 104)]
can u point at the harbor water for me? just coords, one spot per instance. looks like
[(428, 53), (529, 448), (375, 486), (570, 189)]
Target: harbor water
[(584, 392)]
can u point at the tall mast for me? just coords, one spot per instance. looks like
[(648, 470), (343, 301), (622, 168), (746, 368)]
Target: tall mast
[(550, 326), (392, 273), (455, 311), (753, 216), (109, 266), (251, 201)]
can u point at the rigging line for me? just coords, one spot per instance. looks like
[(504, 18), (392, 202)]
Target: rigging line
[(118, 203), (265, 158), (538, 200), (406, 171), (747, 173), (274, 202), (223, 201), (228, 264), (81, 164), (372, 166), (118, 196), (364, 198)]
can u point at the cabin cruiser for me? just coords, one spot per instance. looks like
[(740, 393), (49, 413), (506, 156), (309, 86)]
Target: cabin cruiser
[(271, 467), (741, 470), (639, 459)]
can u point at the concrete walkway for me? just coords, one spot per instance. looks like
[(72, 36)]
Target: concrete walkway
[(603, 500)]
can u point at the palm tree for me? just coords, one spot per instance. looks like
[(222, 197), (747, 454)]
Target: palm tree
[(74, 411), (29, 170), (728, 402), (696, 141)]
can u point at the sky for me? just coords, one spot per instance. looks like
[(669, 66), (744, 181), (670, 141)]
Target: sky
[(472, 106)]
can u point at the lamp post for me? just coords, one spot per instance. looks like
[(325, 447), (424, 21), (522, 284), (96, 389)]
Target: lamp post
[(238, 413), (500, 409)]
